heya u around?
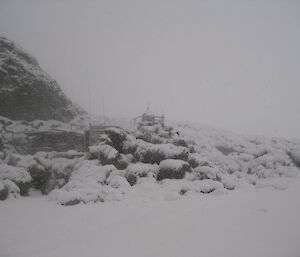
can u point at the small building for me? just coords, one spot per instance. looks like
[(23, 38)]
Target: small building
[(149, 119)]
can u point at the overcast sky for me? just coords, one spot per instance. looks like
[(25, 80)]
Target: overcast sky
[(233, 64)]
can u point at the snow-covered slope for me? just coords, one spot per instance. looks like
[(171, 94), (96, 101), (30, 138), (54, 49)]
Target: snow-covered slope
[(27, 92)]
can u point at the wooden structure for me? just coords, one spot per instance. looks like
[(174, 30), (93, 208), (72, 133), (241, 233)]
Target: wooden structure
[(48, 140), (149, 119)]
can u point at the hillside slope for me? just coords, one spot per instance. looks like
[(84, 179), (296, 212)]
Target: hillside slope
[(27, 92)]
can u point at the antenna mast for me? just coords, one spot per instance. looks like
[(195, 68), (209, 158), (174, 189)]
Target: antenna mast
[(90, 112), (103, 111)]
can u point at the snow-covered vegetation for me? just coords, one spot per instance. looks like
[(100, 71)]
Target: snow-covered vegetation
[(170, 160)]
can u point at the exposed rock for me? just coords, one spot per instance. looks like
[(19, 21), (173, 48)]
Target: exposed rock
[(26, 91)]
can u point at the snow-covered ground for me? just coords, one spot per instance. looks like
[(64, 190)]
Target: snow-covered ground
[(233, 195), (244, 222)]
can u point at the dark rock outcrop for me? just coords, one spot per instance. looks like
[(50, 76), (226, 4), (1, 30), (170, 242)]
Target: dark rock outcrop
[(27, 92)]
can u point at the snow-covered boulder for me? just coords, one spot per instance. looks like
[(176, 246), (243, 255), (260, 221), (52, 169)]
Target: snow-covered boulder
[(18, 175), (173, 169)]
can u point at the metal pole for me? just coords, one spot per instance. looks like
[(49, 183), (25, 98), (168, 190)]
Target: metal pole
[(90, 108)]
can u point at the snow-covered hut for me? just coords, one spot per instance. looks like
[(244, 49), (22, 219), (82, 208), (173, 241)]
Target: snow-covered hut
[(149, 119)]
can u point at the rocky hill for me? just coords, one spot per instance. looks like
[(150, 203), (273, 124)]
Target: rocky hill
[(27, 92)]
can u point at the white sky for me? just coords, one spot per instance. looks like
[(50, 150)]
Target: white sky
[(234, 64)]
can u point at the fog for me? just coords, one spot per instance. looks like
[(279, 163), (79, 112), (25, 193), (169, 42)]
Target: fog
[(232, 64)]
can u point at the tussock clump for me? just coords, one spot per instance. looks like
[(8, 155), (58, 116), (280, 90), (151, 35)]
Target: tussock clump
[(196, 160), (3, 191), (228, 181), (18, 175), (151, 153), (60, 171), (131, 144), (154, 134), (47, 174), (206, 172), (106, 154), (295, 157), (180, 142), (38, 172), (150, 138), (226, 150), (140, 170), (273, 163), (40, 177), (8, 189), (116, 138), (173, 169), (86, 184)]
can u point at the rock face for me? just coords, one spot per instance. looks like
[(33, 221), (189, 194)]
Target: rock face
[(27, 92)]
